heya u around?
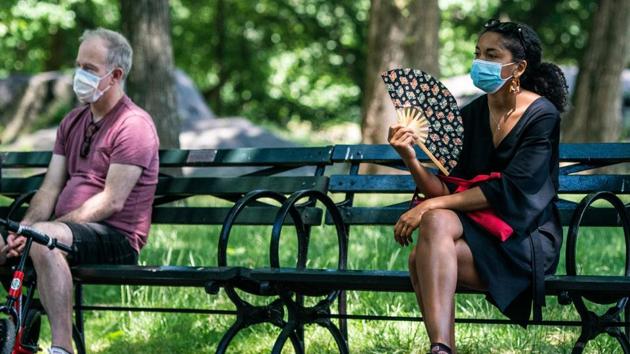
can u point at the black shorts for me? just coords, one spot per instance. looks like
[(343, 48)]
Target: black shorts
[(98, 243)]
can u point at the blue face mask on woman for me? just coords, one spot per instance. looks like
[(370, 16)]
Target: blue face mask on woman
[(486, 75)]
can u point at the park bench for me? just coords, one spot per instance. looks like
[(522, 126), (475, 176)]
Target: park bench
[(323, 173), (578, 176), (241, 178)]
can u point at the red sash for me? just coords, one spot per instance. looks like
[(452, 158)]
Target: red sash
[(486, 218)]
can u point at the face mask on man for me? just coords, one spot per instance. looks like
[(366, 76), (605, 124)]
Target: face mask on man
[(486, 75), (85, 85)]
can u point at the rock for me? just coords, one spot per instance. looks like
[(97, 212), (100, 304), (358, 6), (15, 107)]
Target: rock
[(229, 133), (191, 107), (28, 101), (23, 98)]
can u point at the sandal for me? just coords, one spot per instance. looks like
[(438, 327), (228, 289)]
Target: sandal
[(440, 348)]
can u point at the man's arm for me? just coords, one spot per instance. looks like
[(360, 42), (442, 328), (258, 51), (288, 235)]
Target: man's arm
[(121, 179), (43, 202)]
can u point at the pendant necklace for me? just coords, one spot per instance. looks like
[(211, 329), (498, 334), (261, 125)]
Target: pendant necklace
[(504, 118)]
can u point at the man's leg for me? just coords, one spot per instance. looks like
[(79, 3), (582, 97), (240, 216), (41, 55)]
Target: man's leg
[(4, 249), (54, 282)]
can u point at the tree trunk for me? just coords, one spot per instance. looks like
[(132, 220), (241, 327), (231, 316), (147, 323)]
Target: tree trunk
[(151, 84), (219, 50), (55, 59), (400, 34), (596, 112)]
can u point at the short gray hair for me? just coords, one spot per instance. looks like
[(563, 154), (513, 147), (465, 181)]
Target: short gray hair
[(119, 52)]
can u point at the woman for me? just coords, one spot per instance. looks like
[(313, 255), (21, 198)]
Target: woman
[(514, 130)]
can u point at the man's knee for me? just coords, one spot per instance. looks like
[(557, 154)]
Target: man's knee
[(56, 230), (40, 254), (45, 227)]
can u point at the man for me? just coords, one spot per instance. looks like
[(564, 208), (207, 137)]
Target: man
[(98, 190)]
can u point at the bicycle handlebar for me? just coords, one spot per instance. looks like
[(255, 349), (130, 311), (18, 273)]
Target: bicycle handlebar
[(37, 236)]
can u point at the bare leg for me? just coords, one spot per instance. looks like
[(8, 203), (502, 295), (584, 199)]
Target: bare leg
[(452, 329), (54, 283), (413, 274), (467, 275), (3, 251), (437, 258)]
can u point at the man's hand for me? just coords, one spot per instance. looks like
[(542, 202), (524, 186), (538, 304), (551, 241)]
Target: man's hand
[(15, 245), (402, 140)]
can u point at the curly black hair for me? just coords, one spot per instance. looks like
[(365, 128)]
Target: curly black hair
[(546, 79)]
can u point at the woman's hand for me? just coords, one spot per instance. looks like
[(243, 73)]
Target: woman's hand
[(409, 222), (402, 140)]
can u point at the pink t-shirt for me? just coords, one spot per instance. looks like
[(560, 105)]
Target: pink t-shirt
[(126, 135)]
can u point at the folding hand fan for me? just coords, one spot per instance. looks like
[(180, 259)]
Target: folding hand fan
[(425, 105)]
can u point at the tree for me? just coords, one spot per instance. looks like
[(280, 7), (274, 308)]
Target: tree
[(596, 111), (146, 23), (400, 34), (275, 61)]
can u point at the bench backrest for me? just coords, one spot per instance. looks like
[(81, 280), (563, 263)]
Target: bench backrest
[(579, 174), (226, 174)]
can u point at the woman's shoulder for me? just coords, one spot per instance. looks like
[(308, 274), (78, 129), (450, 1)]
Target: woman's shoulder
[(542, 107), (541, 116)]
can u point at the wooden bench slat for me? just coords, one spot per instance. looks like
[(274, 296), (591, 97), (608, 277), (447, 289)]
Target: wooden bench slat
[(25, 159), (589, 284), (389, 215), (246, 157), (319, 281), (619, 184), (15, 186), (198, 157), (581, 152), (216, 216), (590, 152), (238, 185), (213, 215), (370, 153), (152, 275)]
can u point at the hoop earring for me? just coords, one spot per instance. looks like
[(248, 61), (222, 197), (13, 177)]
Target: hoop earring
[(515, 85)]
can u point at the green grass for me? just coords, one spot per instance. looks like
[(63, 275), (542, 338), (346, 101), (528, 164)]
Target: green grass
[(370, 248)]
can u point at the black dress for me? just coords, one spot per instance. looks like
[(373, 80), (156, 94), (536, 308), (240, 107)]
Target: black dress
[(524, 197)]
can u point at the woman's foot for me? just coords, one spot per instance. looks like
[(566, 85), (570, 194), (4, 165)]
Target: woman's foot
[(440, 348)]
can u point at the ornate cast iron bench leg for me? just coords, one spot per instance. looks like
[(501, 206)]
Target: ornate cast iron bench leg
[(592, 323)]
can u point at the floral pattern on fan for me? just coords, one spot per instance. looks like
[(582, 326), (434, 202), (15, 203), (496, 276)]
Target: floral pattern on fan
[(423, 101)]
